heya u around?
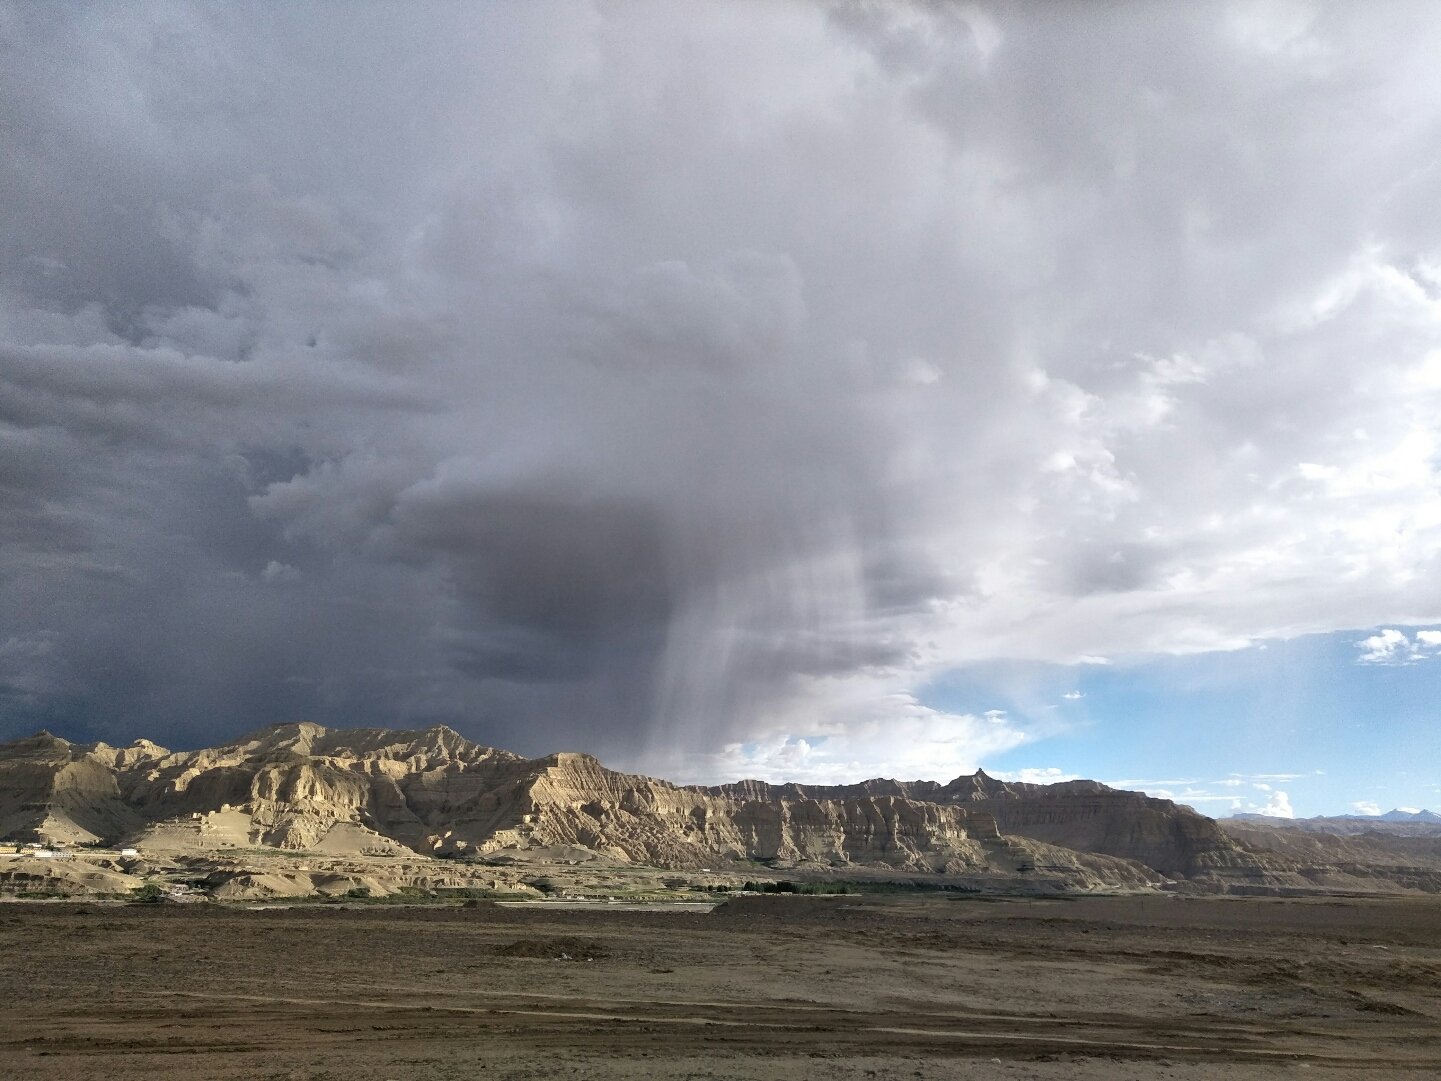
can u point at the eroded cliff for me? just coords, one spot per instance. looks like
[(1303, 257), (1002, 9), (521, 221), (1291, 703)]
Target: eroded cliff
[(380, 792)]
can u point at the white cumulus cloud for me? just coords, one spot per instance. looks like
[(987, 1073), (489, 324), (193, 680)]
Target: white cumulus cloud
[(1391, 647), (898, 738), (1279, 806)]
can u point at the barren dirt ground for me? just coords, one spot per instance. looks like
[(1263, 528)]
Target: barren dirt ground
[(930, 987)]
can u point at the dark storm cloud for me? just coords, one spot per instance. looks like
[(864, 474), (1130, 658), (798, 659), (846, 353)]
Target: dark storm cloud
[(651, 379)]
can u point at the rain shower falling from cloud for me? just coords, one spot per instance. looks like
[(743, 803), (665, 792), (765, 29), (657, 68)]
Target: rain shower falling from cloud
[(693, 384)]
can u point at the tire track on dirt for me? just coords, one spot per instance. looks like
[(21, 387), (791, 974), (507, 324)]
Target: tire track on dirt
[(1213, 1043)]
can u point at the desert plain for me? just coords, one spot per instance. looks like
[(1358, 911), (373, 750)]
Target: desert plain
[(884, 986)]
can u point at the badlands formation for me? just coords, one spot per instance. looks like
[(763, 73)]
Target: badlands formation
[(298, 809)]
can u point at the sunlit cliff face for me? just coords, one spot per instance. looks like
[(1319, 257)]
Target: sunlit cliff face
[(691, 385)]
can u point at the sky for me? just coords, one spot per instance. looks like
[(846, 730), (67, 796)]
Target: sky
[(807, 391)]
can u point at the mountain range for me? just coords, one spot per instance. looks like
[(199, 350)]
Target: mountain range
[(1398, 815), (381, 792)]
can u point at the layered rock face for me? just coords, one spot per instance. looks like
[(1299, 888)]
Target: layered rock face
[(1156, 832), (375, 791), (1085, 816), (572, 799), (1351, 860), (48, 789)]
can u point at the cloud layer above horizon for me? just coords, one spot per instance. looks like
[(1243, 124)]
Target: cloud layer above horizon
[(695, 382)]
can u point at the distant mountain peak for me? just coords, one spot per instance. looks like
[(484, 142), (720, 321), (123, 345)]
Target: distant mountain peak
[(1398, 815)]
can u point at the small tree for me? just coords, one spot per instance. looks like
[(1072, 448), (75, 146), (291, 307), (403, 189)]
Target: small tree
[(148, 894)]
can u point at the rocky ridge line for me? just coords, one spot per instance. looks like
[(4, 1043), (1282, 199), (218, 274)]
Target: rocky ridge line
[(433, 792)]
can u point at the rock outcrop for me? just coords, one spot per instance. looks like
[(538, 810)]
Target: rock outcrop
[(369, 792), (1085, 816), (1365, 860), (51, 789)]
